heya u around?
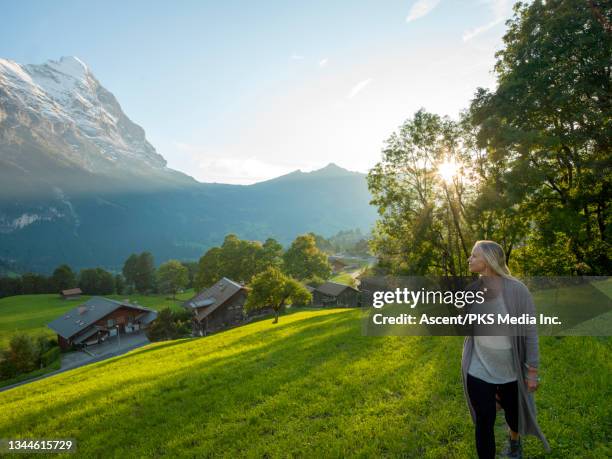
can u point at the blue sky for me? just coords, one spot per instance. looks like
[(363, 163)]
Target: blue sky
[(239, 92)]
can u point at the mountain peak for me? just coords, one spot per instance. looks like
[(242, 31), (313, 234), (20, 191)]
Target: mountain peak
[(332, 170), (95, 134), (69, 65)]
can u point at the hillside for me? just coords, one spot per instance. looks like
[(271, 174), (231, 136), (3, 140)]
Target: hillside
[(311, 386), (81, 184)]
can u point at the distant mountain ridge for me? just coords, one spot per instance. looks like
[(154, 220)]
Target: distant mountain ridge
[(80, 183)]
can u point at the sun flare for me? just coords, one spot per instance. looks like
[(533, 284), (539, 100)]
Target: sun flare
[(448, 170)]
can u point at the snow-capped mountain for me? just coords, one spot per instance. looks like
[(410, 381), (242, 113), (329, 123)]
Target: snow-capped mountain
[(80, 183), (65, 105)]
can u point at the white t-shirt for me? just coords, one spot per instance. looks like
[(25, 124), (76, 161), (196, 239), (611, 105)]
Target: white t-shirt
[(492, 356)]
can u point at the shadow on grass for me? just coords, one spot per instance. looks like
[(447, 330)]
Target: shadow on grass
[(315, 379)]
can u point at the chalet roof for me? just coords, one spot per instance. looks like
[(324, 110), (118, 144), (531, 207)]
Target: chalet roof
[(84, 315), (336, 261), (85, 335), (210, 299), (147, 317), (71, 291), (333, 288)]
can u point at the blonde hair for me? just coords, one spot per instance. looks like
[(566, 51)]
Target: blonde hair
[(494, 255)]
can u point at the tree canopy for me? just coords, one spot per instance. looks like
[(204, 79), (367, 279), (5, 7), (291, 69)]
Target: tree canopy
[(139, 272), (271, 288), (528, 164), (237, 259), (172, 276), (63, 278), (548, 125), (304, 259)]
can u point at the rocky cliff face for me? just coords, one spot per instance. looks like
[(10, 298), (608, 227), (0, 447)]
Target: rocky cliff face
[(62, 107)]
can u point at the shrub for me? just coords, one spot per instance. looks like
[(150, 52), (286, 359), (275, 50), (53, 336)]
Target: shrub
[(23, 353), (169, 325), (50, 356), (7, 368)]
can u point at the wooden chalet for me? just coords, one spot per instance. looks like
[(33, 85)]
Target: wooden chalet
[(98, 318), (71, 294), (336, 295), (217, 307), (336, 264)]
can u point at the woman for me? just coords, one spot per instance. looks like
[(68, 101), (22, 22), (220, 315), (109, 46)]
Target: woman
[(501, 368)]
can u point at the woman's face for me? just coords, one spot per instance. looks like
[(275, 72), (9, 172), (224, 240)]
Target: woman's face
[(476, 262)]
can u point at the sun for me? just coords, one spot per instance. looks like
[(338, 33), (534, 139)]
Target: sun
[(448, 170)]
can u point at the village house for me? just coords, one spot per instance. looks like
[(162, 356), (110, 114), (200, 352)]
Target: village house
[(336, 295), (71, 294), (98, 318), (336, 264), (217, 307)]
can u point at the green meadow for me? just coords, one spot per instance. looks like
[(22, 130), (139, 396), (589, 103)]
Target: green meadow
[(32, 313), (309, 386)]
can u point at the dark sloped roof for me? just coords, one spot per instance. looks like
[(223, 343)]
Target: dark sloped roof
[(81, 317), (333, 288), (336, 261), (210, 299), (86, 334), (147, 317)]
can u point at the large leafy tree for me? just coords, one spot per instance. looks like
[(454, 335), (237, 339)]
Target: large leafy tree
[(63, 278), (210, 269), (273, 289), (171, 277), (96, 281), (35, 283), (420, 189), (271, 254), (237, 259), (130, 269), (304, 259), (145, 273), (192, 269), (548, 125), (139, 271)]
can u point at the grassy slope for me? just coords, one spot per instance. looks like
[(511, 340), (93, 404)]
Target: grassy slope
[(32, 313), (312, 386), (343, 278)]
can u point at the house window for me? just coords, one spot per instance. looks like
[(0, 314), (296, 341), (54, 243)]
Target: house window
[(110, 323)]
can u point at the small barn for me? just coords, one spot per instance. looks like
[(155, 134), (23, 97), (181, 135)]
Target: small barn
[(98, 318), (218, 307), (336, 295), (71, 294), (336, 264)]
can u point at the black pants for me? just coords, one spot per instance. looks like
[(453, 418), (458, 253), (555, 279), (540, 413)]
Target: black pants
[(482, 396)]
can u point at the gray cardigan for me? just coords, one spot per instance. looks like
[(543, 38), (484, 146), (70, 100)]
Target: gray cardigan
[(524, 351)]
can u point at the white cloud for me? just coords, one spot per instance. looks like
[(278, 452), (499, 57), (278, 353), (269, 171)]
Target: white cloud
[(297, 57), (421, 8), (323, 62), (501, 10), (469, 34), (208, 165), (358, 88)]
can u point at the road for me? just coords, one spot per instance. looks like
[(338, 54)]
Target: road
[(75, 362)]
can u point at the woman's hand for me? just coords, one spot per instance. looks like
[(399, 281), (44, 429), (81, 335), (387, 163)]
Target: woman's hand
[(532, 380)]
